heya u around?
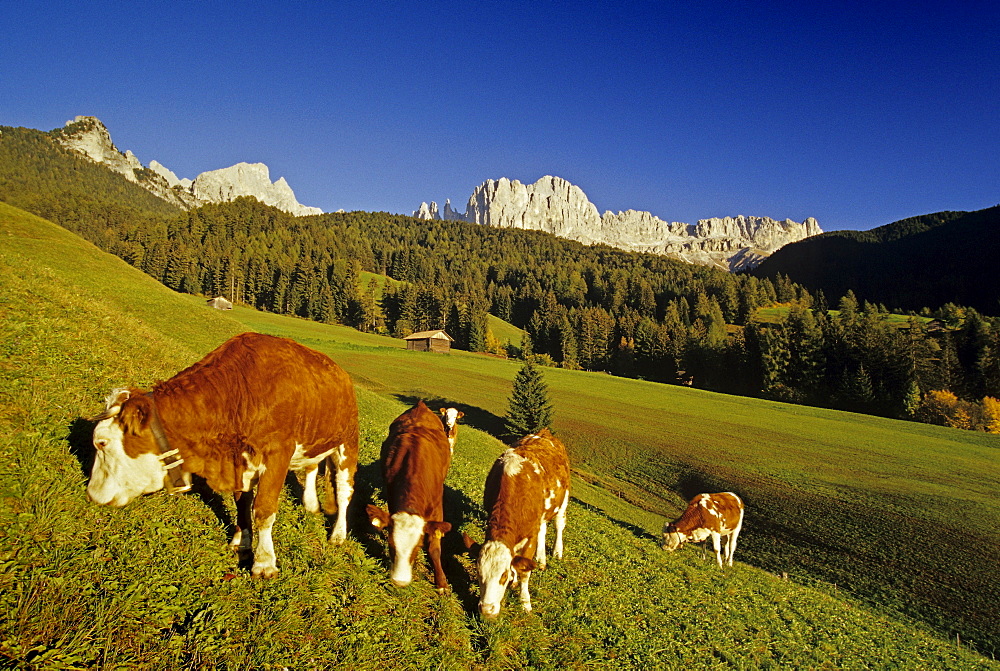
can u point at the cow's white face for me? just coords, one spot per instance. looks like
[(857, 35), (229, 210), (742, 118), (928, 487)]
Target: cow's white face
[(117, 478), (496, 574), (451, 417), (405, 534), (672, 539)]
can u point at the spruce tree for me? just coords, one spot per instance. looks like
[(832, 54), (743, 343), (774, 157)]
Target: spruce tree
[(529, 407)]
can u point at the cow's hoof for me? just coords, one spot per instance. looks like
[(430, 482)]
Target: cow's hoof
[(264, 571), (442, 590), (338, 538)]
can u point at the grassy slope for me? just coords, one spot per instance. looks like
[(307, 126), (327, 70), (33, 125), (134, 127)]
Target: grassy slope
[(151, 586)]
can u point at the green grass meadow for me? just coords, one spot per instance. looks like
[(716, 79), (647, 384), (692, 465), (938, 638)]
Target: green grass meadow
[(870, 543)]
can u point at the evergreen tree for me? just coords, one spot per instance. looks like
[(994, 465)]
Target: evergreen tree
[(530, 409)]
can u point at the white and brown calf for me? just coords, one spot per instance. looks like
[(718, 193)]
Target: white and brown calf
[(450, 417), (714, 516), (527, 486)]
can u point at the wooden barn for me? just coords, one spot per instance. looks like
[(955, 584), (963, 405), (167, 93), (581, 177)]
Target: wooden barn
[(429, 341), (219, 303)]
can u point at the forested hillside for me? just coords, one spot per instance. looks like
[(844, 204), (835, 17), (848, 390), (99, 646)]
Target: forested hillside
[(913, 264), (595, 308)]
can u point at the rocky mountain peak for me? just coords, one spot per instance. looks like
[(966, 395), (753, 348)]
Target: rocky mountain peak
[(557, 206), (88, 136)]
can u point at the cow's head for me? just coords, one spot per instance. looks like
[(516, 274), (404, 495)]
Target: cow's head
[(500, 567), (672, 538), (450, 417), (126, 461), (404, 531)]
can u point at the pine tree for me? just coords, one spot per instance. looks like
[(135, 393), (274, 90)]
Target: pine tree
[(530, 409)]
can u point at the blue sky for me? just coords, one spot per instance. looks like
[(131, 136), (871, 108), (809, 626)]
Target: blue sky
[(856, 113)]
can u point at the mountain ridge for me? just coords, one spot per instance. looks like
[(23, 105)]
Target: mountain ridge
[(557, 206), (910, 264)]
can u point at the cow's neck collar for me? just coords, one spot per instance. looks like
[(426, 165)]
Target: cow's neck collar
[(174, 478)]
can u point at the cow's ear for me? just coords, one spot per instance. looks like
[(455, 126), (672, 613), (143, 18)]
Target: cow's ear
[(442, 411), (460, 415), (134, 415), (378, 517), (471, 546), (437, 528), (523, 564)]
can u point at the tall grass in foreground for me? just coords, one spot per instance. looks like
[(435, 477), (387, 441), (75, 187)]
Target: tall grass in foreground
[(152, 586)]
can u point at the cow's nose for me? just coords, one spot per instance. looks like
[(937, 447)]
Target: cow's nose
[(489, 611)]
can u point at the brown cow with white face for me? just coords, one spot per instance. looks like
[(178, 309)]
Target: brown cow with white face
[(708, 515), (240, 418), (415, 460), (527, 486)]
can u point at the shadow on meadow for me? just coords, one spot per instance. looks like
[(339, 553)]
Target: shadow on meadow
[(476, 417)]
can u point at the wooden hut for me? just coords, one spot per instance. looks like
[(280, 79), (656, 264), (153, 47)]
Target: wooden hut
[(219, 303), (429, 341)]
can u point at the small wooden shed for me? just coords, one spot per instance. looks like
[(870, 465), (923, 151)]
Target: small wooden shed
[(429, 341), (220, 303)]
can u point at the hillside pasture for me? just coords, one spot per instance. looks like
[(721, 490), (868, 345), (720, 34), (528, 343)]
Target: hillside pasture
[(152, 585)]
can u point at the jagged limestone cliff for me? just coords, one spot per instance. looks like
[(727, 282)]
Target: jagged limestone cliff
[(555, 205), (90, 137)]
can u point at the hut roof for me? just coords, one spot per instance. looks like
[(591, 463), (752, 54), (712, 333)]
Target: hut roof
[(433, 335)]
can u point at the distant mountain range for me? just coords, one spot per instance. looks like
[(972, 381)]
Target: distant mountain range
[(551, 204), (556, 206), (923, 261)]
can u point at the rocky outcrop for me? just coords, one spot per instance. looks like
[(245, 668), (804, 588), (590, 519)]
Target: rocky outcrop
[(556, 206), (248, 179), (90, 137)]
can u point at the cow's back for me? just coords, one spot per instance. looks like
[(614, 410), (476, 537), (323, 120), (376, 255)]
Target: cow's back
[(415, 457), (258, 392), (515, 493)]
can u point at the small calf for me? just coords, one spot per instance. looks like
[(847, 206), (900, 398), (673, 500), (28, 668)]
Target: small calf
[(708, 515)]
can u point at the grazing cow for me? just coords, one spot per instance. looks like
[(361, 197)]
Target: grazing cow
[(450, 417), (415, 460), (527, 486), (716, 515), (240, 418)]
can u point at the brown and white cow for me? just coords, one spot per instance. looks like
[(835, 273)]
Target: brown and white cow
[(450, 417), (708, 515), (527, 486), (240, 418), (415, 461)]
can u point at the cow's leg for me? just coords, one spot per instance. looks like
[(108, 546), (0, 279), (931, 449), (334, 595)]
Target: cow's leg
[(525, 596), (434, 553), (265, 510), (540, 548), (243, 538), (716, 543), (732, 542), (309, 499), (557, 549), (345, 490)]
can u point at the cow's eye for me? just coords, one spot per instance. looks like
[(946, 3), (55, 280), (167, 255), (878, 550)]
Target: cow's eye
[(100, 444)]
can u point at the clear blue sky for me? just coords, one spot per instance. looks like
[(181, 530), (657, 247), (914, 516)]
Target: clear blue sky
[(856, 113)]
